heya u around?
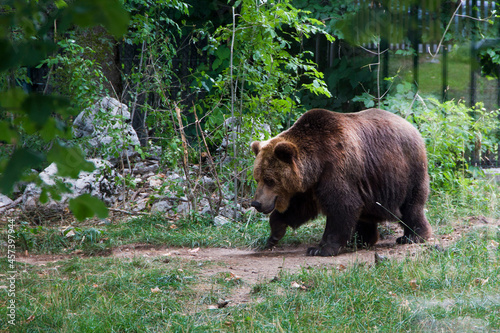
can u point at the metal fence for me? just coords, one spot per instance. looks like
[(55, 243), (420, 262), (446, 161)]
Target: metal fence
[(420, 27)]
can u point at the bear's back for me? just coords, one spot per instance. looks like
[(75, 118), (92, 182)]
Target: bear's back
[(318, 125)]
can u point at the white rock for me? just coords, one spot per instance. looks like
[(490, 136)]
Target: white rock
[(220, 220), (155, 182), (105, 117), (5, 200), (161, 206), (99, 183), (183, 208)]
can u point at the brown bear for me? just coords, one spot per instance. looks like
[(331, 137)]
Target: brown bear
[(358, 169)]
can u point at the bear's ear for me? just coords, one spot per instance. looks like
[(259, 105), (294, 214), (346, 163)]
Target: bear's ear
[(255, 147), (286, 151)]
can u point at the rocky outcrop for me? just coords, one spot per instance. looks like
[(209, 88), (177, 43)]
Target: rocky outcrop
[(107, 126), (100, 183)]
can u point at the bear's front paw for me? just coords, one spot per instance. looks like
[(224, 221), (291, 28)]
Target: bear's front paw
[(271, 243), (322, 251)]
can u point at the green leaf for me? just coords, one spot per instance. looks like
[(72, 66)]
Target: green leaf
[(22, 160), (217, 62), (223, 52), (44, 198), (70, 160), (40, 107), (12, 99), (61, 4), (86, 206), (109, 13), (7, 134)]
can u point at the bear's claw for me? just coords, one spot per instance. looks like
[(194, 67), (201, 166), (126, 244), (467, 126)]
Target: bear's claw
[(313, 251), (322, 251)]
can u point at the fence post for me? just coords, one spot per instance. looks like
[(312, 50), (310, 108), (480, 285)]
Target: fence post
[(445, 73), (414, 33), (471, 11)]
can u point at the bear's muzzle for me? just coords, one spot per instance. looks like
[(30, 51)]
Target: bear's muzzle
[(263, 209)]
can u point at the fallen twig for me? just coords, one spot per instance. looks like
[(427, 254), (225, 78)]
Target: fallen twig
[(116, 210), (10, 205)]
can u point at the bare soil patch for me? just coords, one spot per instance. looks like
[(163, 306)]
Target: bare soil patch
[(254, 266)]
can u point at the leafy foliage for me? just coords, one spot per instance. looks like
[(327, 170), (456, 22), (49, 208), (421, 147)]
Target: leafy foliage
[(25, 30), (153, 80), (264, 68), (490, 62), (74, 75), (256, 77)]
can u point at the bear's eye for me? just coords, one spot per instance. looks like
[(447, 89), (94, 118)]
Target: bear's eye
[(269, 182)]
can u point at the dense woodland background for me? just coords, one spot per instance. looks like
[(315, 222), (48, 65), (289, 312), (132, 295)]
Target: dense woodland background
[(202, 79)]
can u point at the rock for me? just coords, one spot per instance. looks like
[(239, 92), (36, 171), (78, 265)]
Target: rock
[(155, 181), (99, 183), (380, 258), (140, 205), (492, 174), (5, 200), (108, 126), (208, 184), (183, 208), (161, 206), (31, 197), (228, 211), (206, 210), (171, 176), (155, 152), (204, 207), (220, 220), (143, 168)]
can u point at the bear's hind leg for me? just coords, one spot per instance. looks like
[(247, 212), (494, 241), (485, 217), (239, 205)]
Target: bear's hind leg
[(415, 225)]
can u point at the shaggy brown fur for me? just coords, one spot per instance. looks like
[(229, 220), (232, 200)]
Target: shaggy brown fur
[(354, 168)]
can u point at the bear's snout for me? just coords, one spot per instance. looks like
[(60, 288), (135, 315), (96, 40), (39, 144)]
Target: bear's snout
[(266, 209), (257, 205)]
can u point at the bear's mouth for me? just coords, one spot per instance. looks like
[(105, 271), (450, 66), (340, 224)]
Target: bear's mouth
[(271, 207), (267, 211), (264, 209)]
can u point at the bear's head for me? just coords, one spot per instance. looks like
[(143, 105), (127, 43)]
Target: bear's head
[(276, 171)]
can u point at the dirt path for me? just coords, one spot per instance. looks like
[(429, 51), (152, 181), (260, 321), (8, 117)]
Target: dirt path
[(253, 266)]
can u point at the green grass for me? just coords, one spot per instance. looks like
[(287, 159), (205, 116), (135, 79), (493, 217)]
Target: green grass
[(458, 77), (458, 286), (431, 75), (104, 294), (156, 230)]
